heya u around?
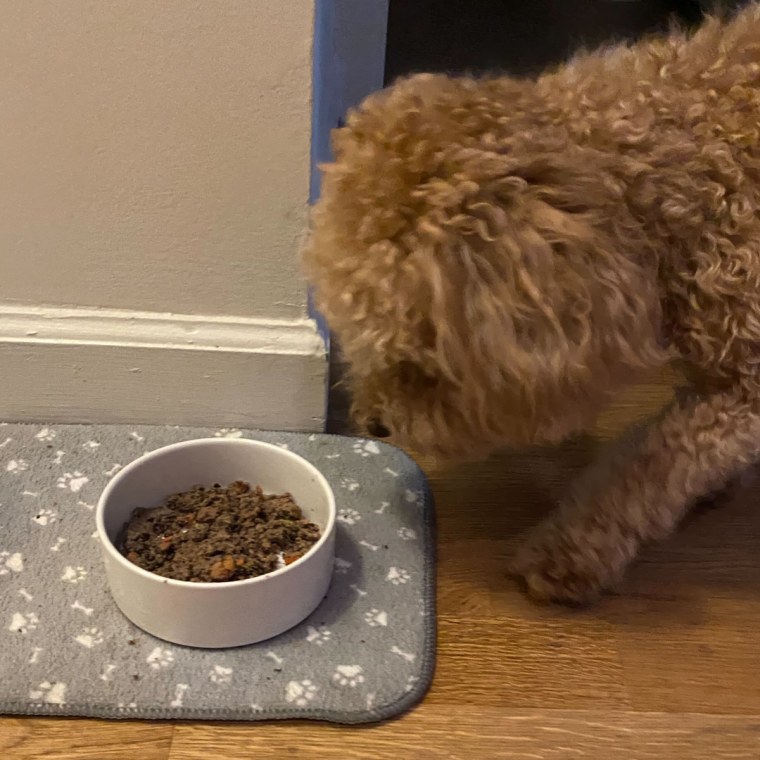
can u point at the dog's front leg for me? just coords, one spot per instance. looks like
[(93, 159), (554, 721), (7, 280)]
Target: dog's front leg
[(639, 495)]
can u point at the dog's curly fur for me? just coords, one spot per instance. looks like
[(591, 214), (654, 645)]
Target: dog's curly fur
[(497, 256)]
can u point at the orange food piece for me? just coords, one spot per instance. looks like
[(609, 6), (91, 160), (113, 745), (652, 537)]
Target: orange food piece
[(222, 569)]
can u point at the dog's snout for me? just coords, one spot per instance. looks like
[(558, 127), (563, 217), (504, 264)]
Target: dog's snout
[(377, 429)]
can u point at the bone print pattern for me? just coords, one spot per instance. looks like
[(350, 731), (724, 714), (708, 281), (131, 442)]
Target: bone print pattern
[(361, 650)]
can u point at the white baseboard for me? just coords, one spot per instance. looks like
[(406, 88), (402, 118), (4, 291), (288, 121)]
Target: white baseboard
[(110, 366)]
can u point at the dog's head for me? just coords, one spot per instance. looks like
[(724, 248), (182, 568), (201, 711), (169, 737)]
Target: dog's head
[(468, 268)]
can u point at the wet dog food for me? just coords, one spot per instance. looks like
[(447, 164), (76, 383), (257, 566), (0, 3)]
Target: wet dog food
[(218, 534)]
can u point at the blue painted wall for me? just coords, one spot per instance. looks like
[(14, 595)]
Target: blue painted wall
[(349, 64)]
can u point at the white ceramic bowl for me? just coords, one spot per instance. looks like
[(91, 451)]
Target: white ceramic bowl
[(216, 615)]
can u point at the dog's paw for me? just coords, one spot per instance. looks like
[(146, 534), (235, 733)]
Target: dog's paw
[(555, 565)]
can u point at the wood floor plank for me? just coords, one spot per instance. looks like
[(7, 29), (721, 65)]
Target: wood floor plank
[(696, 737), (687, 619), (515, 662), (73, 739), (698, 654), (467, 732)]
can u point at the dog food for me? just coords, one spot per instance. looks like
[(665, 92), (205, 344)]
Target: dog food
[(218, 534)]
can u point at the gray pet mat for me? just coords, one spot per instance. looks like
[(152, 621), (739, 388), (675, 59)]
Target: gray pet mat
[(366, 654)]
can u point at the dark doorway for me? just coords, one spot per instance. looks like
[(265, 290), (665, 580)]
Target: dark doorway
[(518, 37)]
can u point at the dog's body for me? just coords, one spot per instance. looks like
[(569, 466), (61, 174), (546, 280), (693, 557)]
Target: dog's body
[(497, 256)]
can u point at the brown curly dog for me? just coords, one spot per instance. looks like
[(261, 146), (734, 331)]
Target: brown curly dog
[(497, 256)]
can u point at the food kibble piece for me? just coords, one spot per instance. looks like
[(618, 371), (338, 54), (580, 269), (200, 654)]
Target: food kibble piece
[(218, 534), (222, 569)]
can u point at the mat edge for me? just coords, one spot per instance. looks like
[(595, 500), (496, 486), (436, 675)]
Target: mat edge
[(391, 710)]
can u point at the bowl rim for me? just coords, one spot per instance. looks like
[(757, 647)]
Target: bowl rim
[(135, 464)]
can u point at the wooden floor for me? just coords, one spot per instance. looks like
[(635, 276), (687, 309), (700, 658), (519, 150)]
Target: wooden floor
[(669, 668)]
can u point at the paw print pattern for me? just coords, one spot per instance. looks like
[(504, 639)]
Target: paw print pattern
[(406, 534), (91, 445), (341, 566), (349, 516), (228, 433), (220, 674), (23, 623), (11, 563), (72, 481), (397, 576), (15, 466), (375, 618), (319, 635), (160, 658), (45, 517), (90, 638), (349, 484), (366, 448), (46, 435), (300, 693), (49, 693), (348, 675), (74, 574), (413, 497)]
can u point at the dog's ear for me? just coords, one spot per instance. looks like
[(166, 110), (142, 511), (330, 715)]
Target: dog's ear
[(370, 293)]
